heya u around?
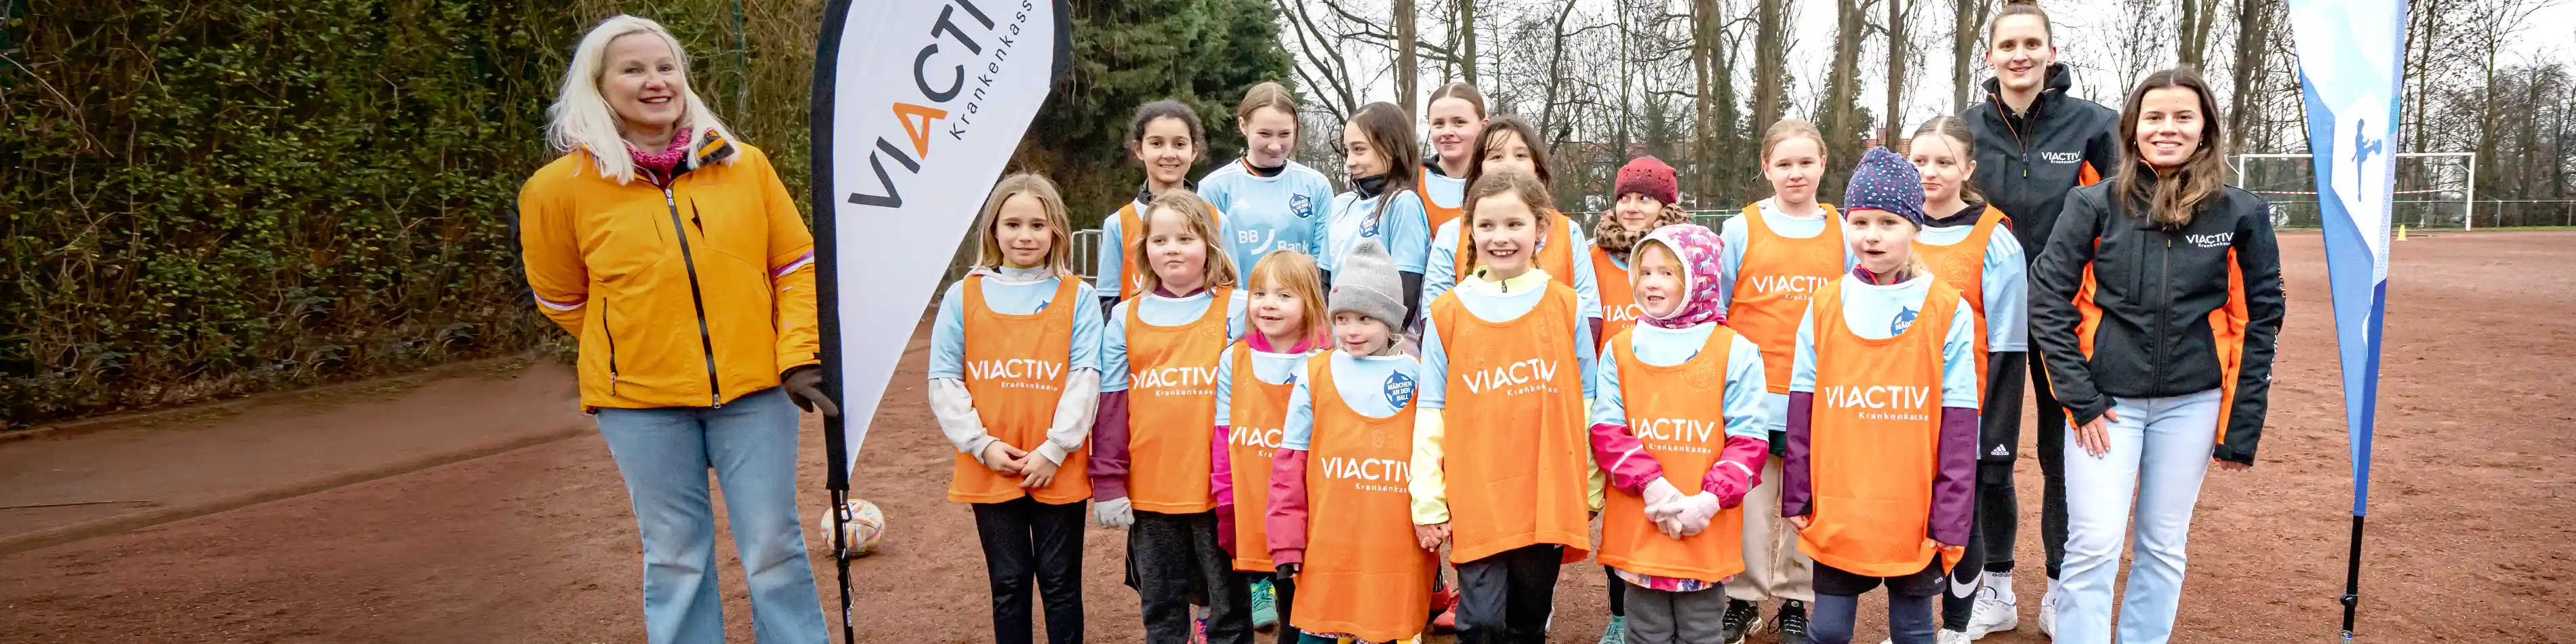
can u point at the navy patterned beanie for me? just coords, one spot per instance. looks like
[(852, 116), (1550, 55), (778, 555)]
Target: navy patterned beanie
[(1885, 181)]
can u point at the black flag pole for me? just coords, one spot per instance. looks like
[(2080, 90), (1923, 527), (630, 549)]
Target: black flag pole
[(836, 447), (828, 200), (2352, 580)]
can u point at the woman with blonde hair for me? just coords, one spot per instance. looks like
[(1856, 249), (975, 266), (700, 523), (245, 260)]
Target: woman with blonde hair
[(677, 258)]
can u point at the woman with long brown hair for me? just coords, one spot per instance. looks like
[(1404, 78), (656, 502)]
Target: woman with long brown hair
[(2158, 303)]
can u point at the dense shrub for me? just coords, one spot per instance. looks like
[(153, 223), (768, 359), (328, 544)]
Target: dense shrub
[(211, 198)]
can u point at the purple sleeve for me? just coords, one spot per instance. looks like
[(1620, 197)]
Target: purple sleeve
[(1794, 491), (1738, 470), (1109, 447), (1624, 458), (1287, 516), (1221, 485), (1954, 485)]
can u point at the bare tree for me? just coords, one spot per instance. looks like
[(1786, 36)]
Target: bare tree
[(1555, 65), (1843, 86), (2197, 17), (1321, 65), (1770, 60), (1968, 20), (2496, 21), (1406, 68), (1837, 113), (1897, 48), (1467, 37), (2141, 40), (2253, 28), (1714, 148)]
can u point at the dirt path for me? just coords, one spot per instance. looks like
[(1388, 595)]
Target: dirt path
[(2470, 537)]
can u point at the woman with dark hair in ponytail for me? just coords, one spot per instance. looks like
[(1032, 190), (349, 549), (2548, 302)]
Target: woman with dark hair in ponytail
[(2158, 302), (2034, 142)]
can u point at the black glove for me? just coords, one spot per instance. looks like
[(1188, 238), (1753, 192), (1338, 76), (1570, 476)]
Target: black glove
[(1288, 571), (804, 385)]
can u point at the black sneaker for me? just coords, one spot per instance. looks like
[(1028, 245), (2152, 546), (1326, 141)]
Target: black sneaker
[(1742, 618), (1793, 622)]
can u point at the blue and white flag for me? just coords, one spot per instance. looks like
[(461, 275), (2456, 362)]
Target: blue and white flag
[(917, 107), (2350, 58)]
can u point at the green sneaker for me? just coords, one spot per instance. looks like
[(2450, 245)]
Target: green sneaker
[(1265, 606), (1617, 633)]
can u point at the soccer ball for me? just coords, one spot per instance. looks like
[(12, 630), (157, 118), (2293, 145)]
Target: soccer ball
[(867, 523)]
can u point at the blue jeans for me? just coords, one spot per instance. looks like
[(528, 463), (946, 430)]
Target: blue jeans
[(2160, 451), (664, 454)]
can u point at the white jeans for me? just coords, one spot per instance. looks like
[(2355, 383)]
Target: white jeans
[(2160, 451)]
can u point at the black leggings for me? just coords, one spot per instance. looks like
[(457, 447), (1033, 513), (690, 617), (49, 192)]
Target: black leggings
[(1024, 540), (2052, 472), (1618, 592), (1506, 597), (1994, 488)]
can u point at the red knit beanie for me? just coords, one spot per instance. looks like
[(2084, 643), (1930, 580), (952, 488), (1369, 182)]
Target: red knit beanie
[(1648, 175)]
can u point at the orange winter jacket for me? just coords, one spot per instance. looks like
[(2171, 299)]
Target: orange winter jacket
[(688, 294)]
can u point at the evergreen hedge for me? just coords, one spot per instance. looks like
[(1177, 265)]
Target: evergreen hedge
[(206, 199)]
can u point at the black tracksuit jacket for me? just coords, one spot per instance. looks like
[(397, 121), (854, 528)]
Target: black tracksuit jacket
[(2167, 303), (2027, 162)]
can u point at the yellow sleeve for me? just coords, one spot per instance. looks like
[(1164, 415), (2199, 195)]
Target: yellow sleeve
[(550, 250), (1429, 486), (791, 272)]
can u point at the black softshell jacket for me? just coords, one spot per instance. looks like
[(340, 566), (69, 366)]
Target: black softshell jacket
[(2172, 311), (2026, 164)]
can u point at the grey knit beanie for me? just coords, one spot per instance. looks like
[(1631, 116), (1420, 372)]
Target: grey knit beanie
[(1367, 284)]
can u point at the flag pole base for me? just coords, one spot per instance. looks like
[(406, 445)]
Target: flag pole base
[(841, 558)]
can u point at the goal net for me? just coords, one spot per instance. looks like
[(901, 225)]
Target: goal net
[(2432, 188)]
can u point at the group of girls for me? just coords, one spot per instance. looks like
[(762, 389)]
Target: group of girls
[(1300, 405), (1536, 378)]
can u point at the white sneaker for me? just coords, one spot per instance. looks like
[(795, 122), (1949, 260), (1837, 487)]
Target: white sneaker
[(2048, 611), (1993, 613), (1944, 636)]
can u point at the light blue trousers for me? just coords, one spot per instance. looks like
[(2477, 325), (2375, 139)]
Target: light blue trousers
[(664, 454), (2160, 450)]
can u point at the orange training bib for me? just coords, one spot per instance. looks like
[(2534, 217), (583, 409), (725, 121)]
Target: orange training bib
[(1674, 412), (1015, 368), (1258, 412), (1438, 214), (1169, 404), (1364, 573), (1963, 267), (1517, 447), (1874, 439), (1773, 284), (1618, 298)]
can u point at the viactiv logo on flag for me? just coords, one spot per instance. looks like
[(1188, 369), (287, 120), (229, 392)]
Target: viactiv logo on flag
[(917, 107), (2349, 67)]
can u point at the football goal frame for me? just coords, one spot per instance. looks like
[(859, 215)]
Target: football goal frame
[(2468, 190)]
